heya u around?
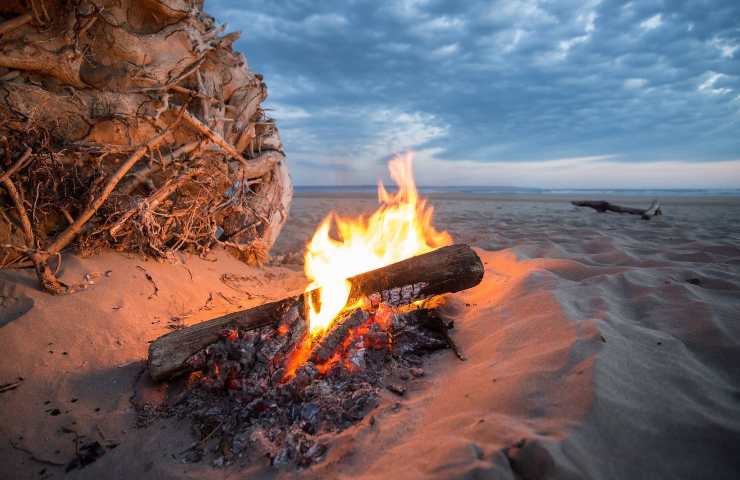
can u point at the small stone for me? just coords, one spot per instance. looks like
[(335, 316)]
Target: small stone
[(397, 389)]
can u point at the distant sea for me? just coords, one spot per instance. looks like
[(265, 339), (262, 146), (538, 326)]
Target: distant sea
[(501, 190)]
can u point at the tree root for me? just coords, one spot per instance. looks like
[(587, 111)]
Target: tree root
[(106, 147)]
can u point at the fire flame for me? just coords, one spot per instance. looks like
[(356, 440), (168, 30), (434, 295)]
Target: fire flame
[(400, 228)]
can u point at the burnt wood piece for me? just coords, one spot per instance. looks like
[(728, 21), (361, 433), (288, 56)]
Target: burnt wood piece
[(601, 206), (328, 345), (446, 270)]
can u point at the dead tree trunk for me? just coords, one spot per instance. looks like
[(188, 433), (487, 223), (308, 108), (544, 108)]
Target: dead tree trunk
[(131, 124), (446, 270)]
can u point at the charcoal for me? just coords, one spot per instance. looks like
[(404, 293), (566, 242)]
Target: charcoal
[(315, 452), (329, 344), (241, 403), (411, 333), (360, 404), (357, 359)]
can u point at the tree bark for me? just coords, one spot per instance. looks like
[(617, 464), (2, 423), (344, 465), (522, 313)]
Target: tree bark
[(132, 124), (446, 270)]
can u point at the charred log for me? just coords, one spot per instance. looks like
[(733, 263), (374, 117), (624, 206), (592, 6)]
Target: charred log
[(446, 270), (334, 339)]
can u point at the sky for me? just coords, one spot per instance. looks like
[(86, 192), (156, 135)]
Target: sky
[(533, 93)]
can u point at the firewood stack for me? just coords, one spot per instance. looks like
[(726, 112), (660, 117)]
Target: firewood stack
[(131, 124)]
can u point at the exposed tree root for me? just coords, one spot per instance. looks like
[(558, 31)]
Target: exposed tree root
[(131, 124)]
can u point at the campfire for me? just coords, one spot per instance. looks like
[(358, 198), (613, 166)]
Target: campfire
[(279, 380), (401, 228)]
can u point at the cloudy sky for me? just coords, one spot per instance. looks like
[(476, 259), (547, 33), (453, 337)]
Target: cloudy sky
[(543, 93)]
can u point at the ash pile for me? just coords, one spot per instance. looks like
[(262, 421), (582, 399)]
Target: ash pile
[(277, 395)]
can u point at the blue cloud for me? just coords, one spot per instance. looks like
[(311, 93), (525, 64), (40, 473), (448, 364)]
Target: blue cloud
[(495, 82)]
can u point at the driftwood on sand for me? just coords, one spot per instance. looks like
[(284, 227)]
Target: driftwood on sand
[(603, 206), (448, 269), (131, 124)]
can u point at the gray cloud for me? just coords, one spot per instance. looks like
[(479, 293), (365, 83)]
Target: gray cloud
[(494, 82)]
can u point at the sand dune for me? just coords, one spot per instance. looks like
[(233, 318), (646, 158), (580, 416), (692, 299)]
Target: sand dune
[(599, 347)]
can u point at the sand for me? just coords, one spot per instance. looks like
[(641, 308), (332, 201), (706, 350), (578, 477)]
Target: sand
[(599, 346)]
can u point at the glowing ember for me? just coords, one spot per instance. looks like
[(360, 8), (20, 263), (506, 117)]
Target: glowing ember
[(400, 228)]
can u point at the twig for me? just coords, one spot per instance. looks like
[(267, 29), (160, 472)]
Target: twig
[(71, 232), (215, 138), (13, 23), (142, 175), (19, 164), (193, 93), (22, 214), (151, 280), (10, 386), (204, 105), (33, 455), (229, 300), (203, 441), (156, 198)]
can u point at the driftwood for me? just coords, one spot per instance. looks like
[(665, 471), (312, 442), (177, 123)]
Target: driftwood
[(131, 124), (602, 206), (446, 270)]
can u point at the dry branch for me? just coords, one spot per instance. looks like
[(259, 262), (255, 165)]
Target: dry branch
[(71, 231), (21, 209), (13, 23), (446, 270), (213, 137), (18, 165)]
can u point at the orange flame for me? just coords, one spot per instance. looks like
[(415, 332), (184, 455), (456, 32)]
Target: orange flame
[(400, 228)]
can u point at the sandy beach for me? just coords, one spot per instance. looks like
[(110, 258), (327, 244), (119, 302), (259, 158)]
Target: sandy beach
[(599, 346)]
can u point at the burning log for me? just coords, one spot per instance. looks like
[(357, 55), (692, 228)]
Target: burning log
[(329, 344), (602, 206), (446, 270)]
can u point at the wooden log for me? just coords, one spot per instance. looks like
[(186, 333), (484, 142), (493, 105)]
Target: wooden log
[(446, 270), (602, 206)]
